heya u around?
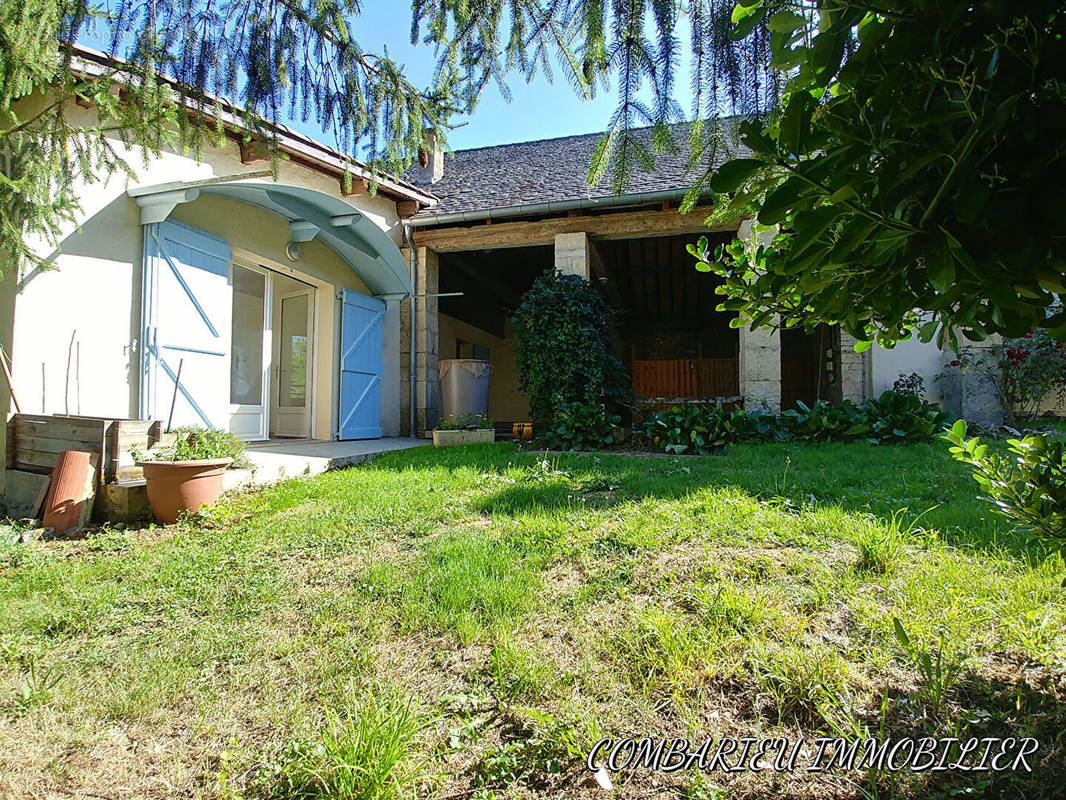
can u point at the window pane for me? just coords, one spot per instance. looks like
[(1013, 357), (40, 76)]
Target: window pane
[(246, 350), (293, 389)]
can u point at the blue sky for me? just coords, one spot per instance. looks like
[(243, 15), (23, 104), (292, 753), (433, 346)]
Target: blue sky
[(539, 110)]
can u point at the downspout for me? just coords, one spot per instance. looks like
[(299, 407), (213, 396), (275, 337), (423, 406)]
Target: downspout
[(409, 237)]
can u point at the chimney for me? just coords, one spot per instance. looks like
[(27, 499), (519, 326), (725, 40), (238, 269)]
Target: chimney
[(430, 165)]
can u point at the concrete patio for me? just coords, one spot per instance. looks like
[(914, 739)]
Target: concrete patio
[(287, 458)]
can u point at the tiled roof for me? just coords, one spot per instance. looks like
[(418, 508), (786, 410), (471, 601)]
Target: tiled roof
[(555, 170)]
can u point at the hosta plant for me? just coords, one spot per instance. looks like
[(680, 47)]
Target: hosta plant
[(821, 421), (583, 426), (895, 417), (688, 429)]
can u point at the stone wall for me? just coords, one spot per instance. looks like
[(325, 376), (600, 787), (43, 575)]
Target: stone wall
[(972, 396), (760, 369), (854, 371), (572, 254)]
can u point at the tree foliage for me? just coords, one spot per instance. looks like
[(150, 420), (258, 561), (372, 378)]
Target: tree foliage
[(918, 161), (283, 59), (165, 67)]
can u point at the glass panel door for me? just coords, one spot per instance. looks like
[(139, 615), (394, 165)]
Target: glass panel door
[(249, 353), (292, 348), (292, 389)]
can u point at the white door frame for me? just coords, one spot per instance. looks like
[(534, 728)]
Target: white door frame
[(276, 411), (258, 263), (263, 409)]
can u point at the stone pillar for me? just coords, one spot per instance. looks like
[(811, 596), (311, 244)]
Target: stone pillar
[(427, 381), (760, 369), (854, 371), (573, 254), (972, 396)]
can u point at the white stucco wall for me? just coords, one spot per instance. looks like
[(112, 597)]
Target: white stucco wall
[(93, 292), (906, 357)]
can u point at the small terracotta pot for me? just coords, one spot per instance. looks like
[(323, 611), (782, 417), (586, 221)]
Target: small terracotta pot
[(522, 431), (177, 486)]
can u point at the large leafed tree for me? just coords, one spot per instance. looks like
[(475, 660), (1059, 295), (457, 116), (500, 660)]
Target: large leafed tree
[(918, 162)]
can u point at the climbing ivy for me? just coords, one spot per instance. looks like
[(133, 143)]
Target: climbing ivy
[(564, 352)]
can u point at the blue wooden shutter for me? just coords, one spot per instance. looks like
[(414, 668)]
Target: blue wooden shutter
[(361, 368), (186, 321)]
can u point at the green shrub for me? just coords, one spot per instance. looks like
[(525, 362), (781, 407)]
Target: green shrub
[(563, 348), (822, 422), (912, 384), (892, 417), (687, 429), (904, 417), (741, 425), (1029, 486), (582, 426)]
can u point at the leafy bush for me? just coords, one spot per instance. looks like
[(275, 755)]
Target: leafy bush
[(463, 422), (1028, 487), (688, 429), (822, 422), (892, 417), (582, 426), (741, 425), (195, 444), (563, 348), (904, 418), (913, 384)]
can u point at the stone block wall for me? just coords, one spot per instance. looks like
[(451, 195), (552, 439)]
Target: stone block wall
[(854, 371), (760, 369), (572, 254)]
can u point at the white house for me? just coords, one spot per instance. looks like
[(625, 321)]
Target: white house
[(209, 293)]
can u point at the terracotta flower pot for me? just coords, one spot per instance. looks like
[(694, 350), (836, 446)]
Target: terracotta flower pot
[(522, 431), (177, 486)]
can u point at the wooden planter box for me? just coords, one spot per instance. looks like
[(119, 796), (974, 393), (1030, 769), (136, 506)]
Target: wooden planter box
[(38, 440), (455, 438)]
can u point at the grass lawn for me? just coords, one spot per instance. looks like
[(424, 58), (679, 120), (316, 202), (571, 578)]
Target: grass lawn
[(468, 622)]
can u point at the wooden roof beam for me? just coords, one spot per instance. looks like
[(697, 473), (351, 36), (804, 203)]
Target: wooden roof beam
[(525, 233)]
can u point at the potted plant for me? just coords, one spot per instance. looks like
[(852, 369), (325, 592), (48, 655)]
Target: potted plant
[(464, 429), (186, 473)]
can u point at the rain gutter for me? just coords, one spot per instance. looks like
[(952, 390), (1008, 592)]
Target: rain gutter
[(428, 220)]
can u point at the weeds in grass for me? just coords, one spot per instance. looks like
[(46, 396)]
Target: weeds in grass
[(882, 545), (363, 755), (518, 673), (938, 670), (660, 646), (36, 689), (726, 606), (800, 680), (546, 744)]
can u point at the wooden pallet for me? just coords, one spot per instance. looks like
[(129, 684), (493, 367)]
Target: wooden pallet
[(38, 440)]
